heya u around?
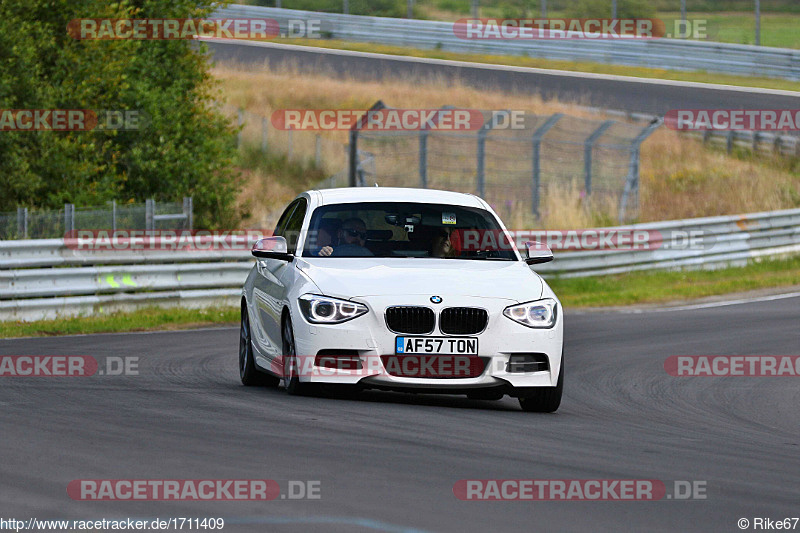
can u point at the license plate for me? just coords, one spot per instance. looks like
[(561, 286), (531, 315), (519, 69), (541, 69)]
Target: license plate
[(436, 345)]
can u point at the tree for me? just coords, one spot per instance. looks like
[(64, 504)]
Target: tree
[(184, 148)]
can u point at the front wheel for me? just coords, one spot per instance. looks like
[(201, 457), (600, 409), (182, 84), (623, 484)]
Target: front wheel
[(291, 371), (248, 373), (544, 399)]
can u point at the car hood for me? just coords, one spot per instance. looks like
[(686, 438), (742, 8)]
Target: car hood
[(354, 277)]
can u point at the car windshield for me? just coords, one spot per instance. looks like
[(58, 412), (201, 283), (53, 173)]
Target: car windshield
[(406, 230)]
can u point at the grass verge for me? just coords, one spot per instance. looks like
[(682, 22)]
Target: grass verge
[(658, 287), (603, 291), (552, 64), (145, 319)]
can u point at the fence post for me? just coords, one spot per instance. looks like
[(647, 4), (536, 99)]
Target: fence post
[(240, 121), (537, 142), (481, 170), (423, 158), (318, 151), (69, 217), (289, 151), (729, 142), (352, 166), (149, 212), (424, 132), (587, 154), (482, 133), (188, 211), (632, 180), (264, 134), (22, 222), (755, 142), (113, 216), (346, 7)]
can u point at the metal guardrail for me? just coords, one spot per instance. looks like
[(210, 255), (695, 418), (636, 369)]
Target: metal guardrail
[(675, 54), (724, 241), (42, 279), (80, 282)]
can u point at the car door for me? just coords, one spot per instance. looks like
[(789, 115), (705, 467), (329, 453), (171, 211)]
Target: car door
[(269, 288)]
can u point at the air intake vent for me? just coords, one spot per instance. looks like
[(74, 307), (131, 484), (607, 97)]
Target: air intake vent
[(463, 320), (527, 362), (413, 320)]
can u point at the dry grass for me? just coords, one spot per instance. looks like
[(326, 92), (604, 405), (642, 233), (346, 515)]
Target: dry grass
[(680, 177)]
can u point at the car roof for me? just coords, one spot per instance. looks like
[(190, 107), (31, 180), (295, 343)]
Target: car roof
[(349, 195)]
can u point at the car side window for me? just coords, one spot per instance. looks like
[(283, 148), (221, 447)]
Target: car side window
[(294, 224), (281, 225)]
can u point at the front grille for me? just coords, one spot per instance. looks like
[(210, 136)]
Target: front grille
[(407, 319), (463, 320)]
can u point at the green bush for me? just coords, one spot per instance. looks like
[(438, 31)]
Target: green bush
[(185, 148)]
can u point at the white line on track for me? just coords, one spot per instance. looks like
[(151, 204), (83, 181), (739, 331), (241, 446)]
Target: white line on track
[(708, 305)]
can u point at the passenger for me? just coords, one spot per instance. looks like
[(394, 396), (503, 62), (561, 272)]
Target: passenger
[(441, 245), (352, 241)]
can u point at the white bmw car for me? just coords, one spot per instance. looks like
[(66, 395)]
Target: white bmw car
[(412, 290)]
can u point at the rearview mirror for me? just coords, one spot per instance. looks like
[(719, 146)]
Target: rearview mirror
[(537, 253), (272, 248)]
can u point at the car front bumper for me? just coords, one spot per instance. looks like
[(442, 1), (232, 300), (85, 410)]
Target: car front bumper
[(369, 337)]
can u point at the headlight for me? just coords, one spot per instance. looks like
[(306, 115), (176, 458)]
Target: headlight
[(538, 314), (325, 310)]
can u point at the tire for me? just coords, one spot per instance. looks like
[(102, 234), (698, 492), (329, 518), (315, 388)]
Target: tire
[(291, 379), (248, 372), (544, 399)]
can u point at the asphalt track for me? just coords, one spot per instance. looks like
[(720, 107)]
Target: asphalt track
[(630, 94), (388, 461)]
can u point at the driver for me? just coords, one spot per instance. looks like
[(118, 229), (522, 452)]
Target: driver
[(352, 238)]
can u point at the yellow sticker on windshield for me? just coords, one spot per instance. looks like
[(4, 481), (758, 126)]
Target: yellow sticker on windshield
[(448, 218)]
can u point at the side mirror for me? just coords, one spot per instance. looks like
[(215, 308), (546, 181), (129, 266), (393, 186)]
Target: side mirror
[(537, 253), (272, 248)]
